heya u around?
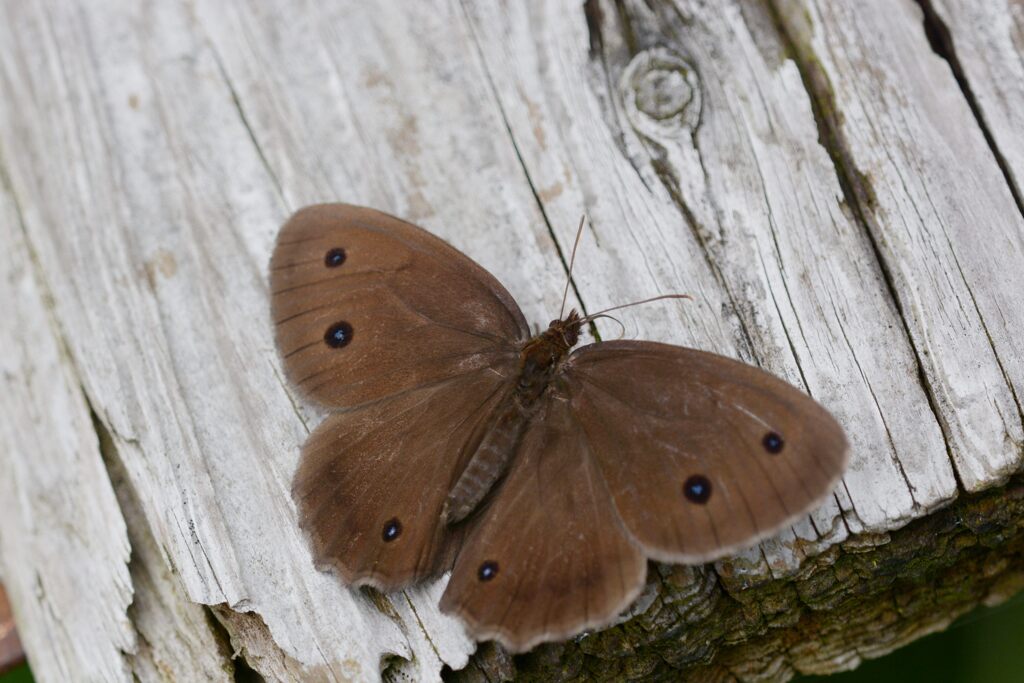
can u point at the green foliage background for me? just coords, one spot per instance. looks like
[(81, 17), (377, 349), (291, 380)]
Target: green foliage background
[(985, 646), (19, 675)]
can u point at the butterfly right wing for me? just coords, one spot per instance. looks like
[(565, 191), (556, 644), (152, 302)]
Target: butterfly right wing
[(366, 305), (548, 556), (372, 480), (703, 455)]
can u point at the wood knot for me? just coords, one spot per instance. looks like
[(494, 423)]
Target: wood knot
[(661, 93)]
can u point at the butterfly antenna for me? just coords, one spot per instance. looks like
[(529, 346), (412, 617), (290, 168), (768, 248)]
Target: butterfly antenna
[(622, 327), (636, 303), (572, 260)]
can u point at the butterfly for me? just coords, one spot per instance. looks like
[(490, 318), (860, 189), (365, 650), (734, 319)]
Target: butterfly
[(542, 476)]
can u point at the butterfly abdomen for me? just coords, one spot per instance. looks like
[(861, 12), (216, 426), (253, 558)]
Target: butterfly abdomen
[(488, 464), (538, 361)]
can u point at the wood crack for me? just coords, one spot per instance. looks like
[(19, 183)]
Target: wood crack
[(881, 416), (858, 195), (496, 97), (237, 103), (941, 41)]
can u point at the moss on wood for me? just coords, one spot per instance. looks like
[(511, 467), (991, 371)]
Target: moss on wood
[(850, 602)]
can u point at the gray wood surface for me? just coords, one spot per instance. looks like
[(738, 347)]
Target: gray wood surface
[(840, 196)]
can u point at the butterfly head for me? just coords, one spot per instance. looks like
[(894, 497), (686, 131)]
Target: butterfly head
[(542, 354), (566, 330)]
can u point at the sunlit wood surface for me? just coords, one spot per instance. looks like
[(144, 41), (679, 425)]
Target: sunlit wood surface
[(838, 186)]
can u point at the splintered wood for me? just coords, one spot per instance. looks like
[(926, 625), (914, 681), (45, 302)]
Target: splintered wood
[(837, 186)]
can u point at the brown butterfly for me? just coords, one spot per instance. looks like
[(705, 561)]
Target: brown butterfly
[(543, 478)]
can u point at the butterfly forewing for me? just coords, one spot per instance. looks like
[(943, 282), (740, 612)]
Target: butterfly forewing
[(366, 305), (548, 557), (702, 454)]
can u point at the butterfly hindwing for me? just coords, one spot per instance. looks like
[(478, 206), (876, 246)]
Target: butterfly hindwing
[(702, 454), (372, 480), (548, 556)]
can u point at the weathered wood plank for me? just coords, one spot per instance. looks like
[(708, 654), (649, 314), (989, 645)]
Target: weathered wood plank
[(85, 610), (719, 180), (156, 147), (986, 41), (169, 170), (168, 209), (940, 212), (58, 505), (176, 638)]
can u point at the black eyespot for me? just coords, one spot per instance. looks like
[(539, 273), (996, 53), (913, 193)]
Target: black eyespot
[(392, 530), (697, 489), (773, 443), (339, 334), (488, 570), (334, 258)]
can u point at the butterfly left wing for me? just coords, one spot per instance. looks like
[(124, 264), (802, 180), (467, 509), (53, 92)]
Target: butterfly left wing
[(366, 305), (702, 455), (373, 479), (548, 557)]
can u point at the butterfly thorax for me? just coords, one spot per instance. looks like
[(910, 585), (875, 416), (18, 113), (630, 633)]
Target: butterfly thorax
[(539, 360), (541, 357)]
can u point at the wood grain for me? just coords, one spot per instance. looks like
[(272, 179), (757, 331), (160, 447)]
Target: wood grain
[(64, 549), (840, 195), (939, 211), (983, 42)]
